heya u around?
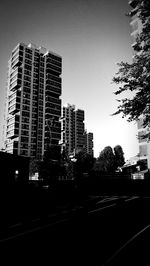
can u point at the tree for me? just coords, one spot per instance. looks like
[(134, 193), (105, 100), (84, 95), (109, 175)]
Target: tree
[(67, 166), (34, 166), (119, 156), (110, 159), (135, 77), (106, 160), (84, 163), (51, 165)]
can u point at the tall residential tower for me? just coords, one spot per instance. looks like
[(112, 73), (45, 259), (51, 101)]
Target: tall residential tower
[(136, 28), (74, 136), (33, 107)]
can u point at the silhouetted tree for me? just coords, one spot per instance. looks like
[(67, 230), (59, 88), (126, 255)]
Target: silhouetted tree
[(51, 165), (135, 77), (68, 166), (106, 160), (119, 156), (84, 163), (34, 166)]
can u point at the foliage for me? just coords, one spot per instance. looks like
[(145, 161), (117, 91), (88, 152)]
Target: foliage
[(135, 77), (119, 156), (109, 160), (68, 166), (53, 152), (51, 165), (106, 160), (84, 163), (34, 166)]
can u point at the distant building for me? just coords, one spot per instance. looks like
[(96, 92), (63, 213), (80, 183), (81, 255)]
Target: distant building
[(136, 27), (33, 105), (79, 130), (89, 143), (74, 137), (68, 129), (135, 23)]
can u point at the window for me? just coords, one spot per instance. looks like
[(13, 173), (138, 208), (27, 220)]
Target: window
[(26, 101), (25, 119), (28, 56), (28, 61), (25, 113), (143, 150), (25, 132), (27, 72), (26, 107), (25, 126), (24, 152), (24, 139), (141, 136), (27, 78), (28, 67), (27, 84), (28, 50)]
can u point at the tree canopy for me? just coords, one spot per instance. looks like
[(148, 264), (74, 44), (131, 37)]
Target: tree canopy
[(119, 156), (110, 159), (84, 162), (135, 77)]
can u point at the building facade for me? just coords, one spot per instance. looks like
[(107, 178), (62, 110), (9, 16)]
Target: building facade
[(68, 129), (144, 144), (89, 143), (74, 136), (79, 130), (33, 104)]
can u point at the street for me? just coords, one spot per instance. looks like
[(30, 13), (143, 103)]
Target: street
[(95, 229)]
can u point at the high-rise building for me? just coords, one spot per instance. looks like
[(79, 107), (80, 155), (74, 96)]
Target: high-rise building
[(33, 107), (74, 136), (68, 129), (136, 28), (73, 129), (135, 23), (89, 142), (79, 130)]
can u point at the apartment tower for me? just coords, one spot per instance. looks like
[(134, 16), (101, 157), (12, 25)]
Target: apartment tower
[(136, 28), (73, 129), (89, 143), (74, 136), (68, 129), (33, 106)]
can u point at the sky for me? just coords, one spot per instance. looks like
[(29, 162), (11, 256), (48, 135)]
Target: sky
[(92, 36)]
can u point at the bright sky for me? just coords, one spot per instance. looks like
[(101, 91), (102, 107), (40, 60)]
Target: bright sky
[(92, 36)]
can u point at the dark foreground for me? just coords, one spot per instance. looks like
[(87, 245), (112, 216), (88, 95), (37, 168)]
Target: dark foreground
[(75, 228)]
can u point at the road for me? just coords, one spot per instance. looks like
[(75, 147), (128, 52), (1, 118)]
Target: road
[(99, 230)]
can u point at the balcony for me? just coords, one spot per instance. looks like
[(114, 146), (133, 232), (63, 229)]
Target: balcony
[(14, 102), (53, 83), (52, 111), (12, 145), (52, 89), (14, 133), (15, 95), (13, 119), (53, 69), (53, 78), (15, 85), (17, 62), (14, 109), (52, 99)]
